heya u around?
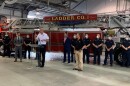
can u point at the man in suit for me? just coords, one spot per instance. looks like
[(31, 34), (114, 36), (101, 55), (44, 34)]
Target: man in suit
[(18, 41), (67, 47)]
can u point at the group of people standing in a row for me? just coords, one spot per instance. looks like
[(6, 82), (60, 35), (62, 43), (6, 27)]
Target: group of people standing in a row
[(41, 39), (80, 48), (76, 46), (18, 42)]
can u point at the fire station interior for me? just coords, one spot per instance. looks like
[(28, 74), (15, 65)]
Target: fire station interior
[(61, 20)]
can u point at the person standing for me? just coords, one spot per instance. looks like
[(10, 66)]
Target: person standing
[(42, 39), (109, 44), (18, 41), (78, 53), (97, 43), (67, 47), (27, 43), (87, 43), (73, 42), (126, 52), (6, 43)]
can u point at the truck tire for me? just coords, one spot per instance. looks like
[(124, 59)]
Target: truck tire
[(118, 55)]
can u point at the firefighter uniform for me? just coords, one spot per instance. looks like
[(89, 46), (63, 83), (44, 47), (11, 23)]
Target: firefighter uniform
[(109, 45), (86, 52), (97, 51), (27, 41), (6, 42), (126, 53)]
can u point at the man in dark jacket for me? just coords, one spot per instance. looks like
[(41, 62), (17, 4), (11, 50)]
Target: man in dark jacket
[(73, 44), (126, 52), (97, 43), (86, 52), (6, 43), (67, 47), (79, 54), (27, 42)]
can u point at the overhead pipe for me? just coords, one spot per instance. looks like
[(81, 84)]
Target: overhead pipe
[(7, 2), (123, 28)]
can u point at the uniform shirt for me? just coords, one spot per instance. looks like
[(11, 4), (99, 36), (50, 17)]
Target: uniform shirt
[(79, 44), (27, 40), (98, 42), (6, 40), (42, 38), (73, 42), (109, 43), (86, 41), (126, 43)]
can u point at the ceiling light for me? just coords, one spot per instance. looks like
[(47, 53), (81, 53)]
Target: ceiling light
[(37, 13)]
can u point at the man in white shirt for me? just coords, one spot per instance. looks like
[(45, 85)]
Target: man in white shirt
[(42, 39)]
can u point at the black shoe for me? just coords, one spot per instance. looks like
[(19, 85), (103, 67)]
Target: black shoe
[(111, 65), (80, 70), (104, 64), (42, 66), (37, 66), (64, 62), (75, 69), (15, 61)]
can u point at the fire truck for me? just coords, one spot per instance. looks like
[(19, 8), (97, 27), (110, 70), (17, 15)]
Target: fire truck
[(56, 32)]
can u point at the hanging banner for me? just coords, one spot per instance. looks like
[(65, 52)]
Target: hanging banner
[(70, 18)]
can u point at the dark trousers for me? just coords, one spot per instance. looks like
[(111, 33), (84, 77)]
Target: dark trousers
[(41, 50), (7, 50), (96, 54), (126, 58), (110, 53), (27, 48), (72, 54), (66, 52), (86, 53)]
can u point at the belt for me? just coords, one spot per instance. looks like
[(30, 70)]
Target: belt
[(42, 45)]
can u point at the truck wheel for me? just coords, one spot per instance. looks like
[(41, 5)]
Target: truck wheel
[(118, 56)]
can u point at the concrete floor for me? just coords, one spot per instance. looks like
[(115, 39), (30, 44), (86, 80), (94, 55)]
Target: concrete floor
[(55, 73)]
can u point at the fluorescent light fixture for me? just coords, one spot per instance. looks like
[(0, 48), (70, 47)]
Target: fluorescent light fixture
[(37, 13)]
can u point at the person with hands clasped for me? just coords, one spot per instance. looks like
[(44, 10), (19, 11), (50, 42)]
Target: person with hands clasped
[(86, 47), (109, 44), (126, 52), (97, 43)]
